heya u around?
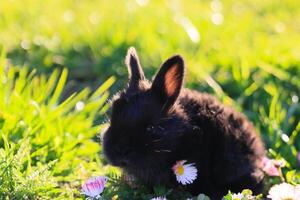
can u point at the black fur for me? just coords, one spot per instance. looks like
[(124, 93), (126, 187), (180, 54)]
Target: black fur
[(155, 125)]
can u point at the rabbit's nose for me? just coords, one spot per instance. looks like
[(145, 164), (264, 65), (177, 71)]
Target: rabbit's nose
[(124, 162), (123, 156)]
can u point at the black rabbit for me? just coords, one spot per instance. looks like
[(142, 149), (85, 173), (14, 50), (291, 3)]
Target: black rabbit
[(153, 125)]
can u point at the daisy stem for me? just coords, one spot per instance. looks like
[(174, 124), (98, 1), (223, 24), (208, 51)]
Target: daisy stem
[(281, 175)]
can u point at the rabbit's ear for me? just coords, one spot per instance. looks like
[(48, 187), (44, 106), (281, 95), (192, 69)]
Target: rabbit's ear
[(135, 70), (168, 81)]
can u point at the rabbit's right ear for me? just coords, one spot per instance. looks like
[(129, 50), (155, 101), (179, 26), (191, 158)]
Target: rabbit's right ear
[(135, 71), (168, 81)]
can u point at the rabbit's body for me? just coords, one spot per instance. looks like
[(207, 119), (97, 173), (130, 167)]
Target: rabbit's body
[(227, 151), (155, 125)]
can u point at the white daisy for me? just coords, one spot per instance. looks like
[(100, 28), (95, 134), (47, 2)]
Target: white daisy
[(185, 173), (284, 191), (94, 186)]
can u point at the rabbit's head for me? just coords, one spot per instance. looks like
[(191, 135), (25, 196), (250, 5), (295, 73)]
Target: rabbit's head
[(146, 122)]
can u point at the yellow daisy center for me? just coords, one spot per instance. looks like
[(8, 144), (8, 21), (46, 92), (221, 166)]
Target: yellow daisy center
[(180, 170)]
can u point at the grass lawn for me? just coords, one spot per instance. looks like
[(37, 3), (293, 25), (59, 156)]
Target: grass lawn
[(247, 53)]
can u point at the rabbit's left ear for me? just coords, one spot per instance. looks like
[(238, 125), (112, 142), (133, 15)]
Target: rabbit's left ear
[(168, 81), (135, 71)]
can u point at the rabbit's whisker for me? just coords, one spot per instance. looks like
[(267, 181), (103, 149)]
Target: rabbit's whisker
[(162, 150), (166, 150), (157, 140)]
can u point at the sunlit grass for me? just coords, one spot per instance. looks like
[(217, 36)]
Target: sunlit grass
[(47, 147), (97, 33)]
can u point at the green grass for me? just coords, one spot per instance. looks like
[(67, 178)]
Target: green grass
[(47, 147), (251, 61)]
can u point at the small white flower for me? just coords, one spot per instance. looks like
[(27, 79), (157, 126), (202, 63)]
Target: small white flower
[(185, 173), (244, 195), (159, 198), (94, 186), (237, 196), (284, 191)]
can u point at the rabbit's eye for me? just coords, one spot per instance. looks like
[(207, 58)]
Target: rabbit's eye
[(150, 128)]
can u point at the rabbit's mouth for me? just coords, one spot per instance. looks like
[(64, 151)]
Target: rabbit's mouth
[(123, 163)]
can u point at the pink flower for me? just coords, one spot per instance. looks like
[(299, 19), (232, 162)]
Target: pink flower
[(271, 166), (94, 186)]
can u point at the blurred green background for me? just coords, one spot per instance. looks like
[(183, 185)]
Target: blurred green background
[(247, 53), (91, 37)]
